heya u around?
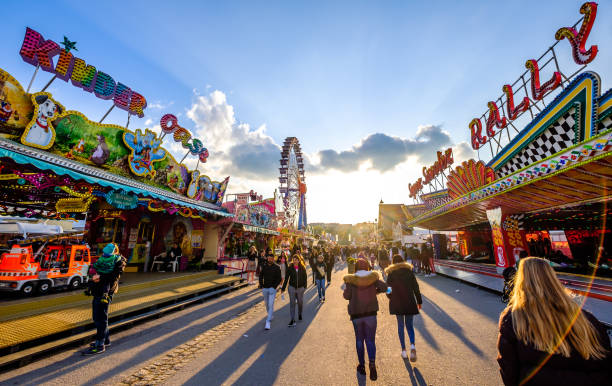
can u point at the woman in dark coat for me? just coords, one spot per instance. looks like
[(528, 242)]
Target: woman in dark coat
[(360, 289), (297, 279), (404, 300), (545, 338)]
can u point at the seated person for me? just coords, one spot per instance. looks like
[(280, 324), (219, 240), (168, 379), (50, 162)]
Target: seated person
[(172, 254)]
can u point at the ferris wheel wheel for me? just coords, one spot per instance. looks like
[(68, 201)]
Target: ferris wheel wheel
[(292, 184)]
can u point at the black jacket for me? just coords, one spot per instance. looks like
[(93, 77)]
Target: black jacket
[(295, 281), (361, 293), (270, 275), (315, 269), (109, 279), (517, 360), (405, 293)]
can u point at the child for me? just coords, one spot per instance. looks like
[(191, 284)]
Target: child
[(104, 265)]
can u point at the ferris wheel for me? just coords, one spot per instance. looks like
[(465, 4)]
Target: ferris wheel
[(292, 184)]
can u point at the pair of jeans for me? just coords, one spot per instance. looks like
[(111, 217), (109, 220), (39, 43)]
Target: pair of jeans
[(99, 312), (405, 320), (269, 294), (365, 331), (296, 295), (321, 287)]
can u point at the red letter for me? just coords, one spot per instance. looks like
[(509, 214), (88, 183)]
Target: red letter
[(37, 51), (494, 119), (538, 91), (513, 111), (578, 39), (169, 123), (476, 130)]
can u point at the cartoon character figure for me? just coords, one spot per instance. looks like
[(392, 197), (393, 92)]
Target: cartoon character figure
[(40, 133), (5, 111), (101, 153), (146, 151)]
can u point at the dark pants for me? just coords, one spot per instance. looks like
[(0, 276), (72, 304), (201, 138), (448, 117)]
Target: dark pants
[(365, 331), (328, 271), (100, 319)]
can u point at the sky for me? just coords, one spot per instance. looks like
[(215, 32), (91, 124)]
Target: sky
[(371, 89)]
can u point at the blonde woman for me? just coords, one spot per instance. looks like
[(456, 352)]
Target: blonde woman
[(544, 336)]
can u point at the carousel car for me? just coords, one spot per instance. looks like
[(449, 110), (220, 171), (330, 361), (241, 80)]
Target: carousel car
[(52, 266)]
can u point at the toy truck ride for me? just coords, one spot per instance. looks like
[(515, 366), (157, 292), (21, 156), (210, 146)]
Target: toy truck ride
[(51, 266)]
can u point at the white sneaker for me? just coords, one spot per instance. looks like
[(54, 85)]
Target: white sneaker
[(404, 355), (267, 325)]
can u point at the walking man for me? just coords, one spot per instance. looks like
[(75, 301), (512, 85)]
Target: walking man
[(269, 280)]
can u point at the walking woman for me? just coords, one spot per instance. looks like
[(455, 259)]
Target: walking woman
[(251, 264), (544, 336), (404, 300), (283, 262), (318, 271), (297, 279), (360, 290)]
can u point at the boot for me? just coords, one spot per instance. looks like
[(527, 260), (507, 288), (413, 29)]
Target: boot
[(373, 372), (361, 369)]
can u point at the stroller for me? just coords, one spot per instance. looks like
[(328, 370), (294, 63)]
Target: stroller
[(508, 274)]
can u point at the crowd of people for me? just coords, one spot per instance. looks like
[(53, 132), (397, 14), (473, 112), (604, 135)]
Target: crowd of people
[(544, 335)]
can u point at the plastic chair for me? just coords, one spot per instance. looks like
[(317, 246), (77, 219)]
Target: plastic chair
[(159, 260)]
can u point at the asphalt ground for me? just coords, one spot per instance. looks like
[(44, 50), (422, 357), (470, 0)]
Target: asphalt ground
[(223, 341)]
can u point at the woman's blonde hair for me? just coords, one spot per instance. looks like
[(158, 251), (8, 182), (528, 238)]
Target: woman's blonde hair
[(545, 316)]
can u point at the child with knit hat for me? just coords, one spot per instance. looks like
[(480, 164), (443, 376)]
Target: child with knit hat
[(105, 264)]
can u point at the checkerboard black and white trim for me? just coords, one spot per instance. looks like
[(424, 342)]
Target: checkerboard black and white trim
[(554, 139), (605, 124)]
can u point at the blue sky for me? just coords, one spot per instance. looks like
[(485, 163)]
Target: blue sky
[(331, 73)]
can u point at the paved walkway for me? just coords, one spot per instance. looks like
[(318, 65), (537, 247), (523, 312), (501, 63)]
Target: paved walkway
[(223, 342)]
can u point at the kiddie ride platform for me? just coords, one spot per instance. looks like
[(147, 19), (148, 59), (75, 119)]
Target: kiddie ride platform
[(597, 293), (29, 327)]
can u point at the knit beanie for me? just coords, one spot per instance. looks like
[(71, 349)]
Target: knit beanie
[(362, 265), (109, 249)]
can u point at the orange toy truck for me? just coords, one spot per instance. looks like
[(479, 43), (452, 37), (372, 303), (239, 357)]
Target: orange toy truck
[(23, 270)]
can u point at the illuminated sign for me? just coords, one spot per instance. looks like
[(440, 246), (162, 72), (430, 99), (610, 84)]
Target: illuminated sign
[(169, 125), (40, 52), (444, 161), (581, 56)]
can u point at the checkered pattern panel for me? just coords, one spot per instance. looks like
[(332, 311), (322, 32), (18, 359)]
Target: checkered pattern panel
[(557, 137), (605, 124)]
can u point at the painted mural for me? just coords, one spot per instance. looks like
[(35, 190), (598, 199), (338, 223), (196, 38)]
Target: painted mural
[(16, 108), (38, 120)]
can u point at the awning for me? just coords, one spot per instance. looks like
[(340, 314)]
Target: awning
[(251, 228), (75, 170)]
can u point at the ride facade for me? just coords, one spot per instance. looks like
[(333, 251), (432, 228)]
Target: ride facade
[(56, 163), (540, 184)]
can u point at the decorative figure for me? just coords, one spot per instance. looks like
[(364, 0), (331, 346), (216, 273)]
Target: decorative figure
[(5, 111), (101, 153), (146, 151), (40, 132)]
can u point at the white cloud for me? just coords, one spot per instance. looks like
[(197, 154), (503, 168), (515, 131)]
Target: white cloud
[(159, 105), (343, 186)]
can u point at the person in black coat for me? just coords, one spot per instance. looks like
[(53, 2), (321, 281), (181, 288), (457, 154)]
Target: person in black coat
[(574, 350), (329, 262), (297, 279), (404, 300), (318, 272), (269, 280)]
